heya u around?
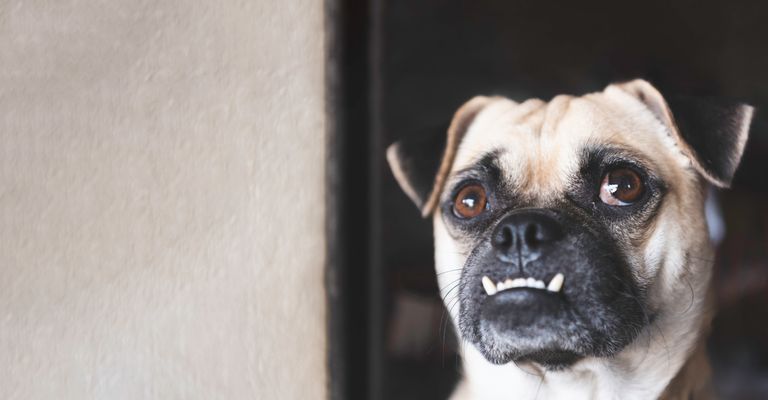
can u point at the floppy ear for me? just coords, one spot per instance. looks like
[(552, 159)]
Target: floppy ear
[(421, 163), (711, 133)]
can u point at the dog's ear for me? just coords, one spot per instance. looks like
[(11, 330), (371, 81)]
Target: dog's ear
[(421, 163), (711, 133)]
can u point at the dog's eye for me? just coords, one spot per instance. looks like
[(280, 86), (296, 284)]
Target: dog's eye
[(621, 187), (470, 202)]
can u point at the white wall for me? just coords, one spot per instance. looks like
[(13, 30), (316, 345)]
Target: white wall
[(161, 199)]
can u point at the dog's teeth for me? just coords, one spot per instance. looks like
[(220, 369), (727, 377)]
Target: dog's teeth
[(493, 288), (488, 285), (556, 283)]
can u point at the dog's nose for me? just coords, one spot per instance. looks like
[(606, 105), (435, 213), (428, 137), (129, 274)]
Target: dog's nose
[(523, 236)]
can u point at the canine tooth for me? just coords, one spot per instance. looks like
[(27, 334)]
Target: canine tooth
[(518, 282), (488, 285), (556, 283)]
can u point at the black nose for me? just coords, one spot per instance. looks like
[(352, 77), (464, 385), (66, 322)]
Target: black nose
[(524, 235)]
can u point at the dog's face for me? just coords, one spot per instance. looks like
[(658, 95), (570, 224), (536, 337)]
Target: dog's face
[(564, 229)]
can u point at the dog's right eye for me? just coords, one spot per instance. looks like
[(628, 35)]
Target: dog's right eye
[(470, 202)]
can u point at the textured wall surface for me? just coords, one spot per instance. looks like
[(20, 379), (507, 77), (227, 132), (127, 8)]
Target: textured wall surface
[(161, 200)]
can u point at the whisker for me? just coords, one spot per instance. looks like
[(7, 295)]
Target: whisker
[(448, 271)]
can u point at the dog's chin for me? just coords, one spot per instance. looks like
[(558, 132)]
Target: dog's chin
[(534, 326), (551, 356)]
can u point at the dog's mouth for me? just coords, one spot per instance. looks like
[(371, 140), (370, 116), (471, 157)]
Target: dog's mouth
[(493, 287), (551, 321), (573, 302), (527, 319)]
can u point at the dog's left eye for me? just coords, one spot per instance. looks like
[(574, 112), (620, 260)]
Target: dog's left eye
[(470, 202), (621, 187)]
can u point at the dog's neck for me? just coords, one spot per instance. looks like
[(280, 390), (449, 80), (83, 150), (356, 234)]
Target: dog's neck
[(693, 381), (656, 366)]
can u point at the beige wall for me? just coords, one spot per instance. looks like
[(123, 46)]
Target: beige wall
[(161, 200)]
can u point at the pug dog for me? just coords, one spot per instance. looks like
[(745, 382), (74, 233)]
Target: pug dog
[(571, 245)]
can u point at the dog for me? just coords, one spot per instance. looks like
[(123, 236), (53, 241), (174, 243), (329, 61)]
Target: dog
[(571, 244)]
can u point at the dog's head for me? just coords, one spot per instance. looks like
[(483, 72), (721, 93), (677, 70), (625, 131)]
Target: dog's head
[(563, 229)]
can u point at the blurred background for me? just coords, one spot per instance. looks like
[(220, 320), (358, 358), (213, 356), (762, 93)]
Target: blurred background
[(408, 65)]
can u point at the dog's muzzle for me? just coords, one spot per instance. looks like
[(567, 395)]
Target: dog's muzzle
[(549, 288)]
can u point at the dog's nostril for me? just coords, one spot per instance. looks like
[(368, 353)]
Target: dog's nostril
[(533, 235), (504, 237)]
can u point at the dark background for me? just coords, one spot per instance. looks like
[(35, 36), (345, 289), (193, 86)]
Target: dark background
[(406, 66)]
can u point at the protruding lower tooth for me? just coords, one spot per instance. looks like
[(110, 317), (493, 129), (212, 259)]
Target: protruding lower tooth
[(540, 285), (508, 284), (518, 282), (556, 283), (488, 285), (530, 282)]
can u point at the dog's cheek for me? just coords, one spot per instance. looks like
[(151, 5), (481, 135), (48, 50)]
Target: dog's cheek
[(449, 263), (679, 273)]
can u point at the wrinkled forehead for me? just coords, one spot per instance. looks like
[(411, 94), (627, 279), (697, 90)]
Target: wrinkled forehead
[(539, 146)]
